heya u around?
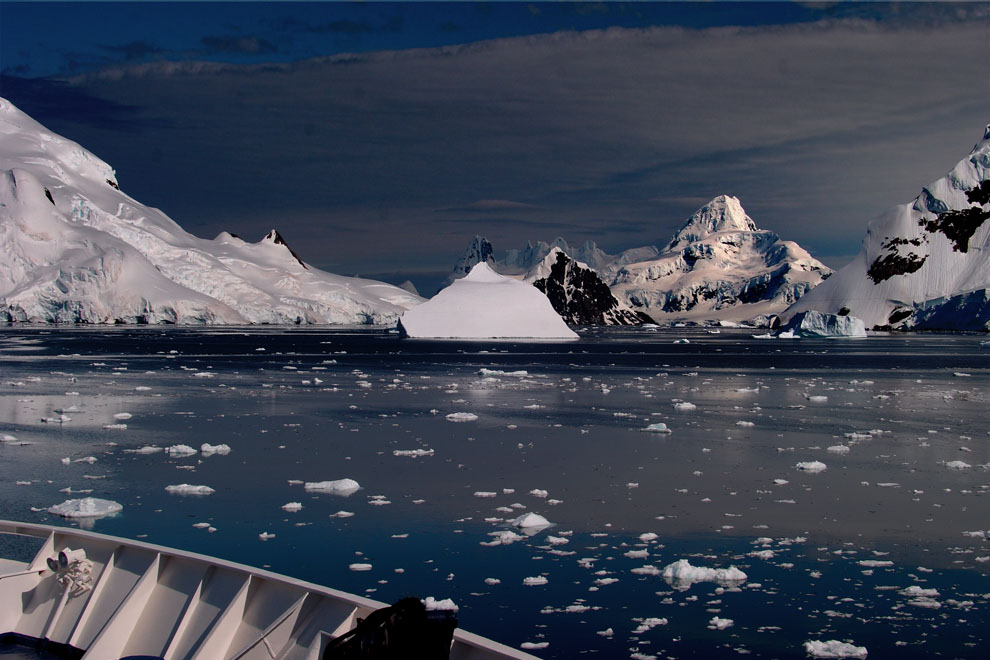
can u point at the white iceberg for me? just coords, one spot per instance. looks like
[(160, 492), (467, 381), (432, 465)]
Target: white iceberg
[(336, 487), (817, 324), (530, 523), (486, 305), (87, 507), (811, 466)]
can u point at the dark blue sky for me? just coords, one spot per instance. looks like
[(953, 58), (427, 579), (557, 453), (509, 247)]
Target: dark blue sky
[(609, 122)]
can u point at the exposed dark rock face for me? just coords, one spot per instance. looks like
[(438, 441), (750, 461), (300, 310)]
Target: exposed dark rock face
[(480, 251), (277, 239), (581, 297), (958, 226), (893, 263)]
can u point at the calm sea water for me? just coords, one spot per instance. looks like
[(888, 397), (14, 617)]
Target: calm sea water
[(829, 555)]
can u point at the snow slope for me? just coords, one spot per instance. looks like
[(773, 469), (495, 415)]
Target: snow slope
[(482, 305), (74, 248), (719, 265), (923, 265)]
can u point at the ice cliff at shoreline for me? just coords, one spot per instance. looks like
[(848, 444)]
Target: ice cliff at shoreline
[(922, 265), (75, 249)]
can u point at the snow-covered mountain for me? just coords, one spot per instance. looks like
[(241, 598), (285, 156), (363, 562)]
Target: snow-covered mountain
[(579, 294), (522, 261), (923, 265), (719, 265), (74, 248)]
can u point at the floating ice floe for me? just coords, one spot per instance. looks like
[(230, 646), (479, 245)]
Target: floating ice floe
[(534, 581), (189, 489), (833, 649), (811, 466), (717, 623), (838, 449), (360, 567), (657, 427), (503, 537), (147, 449), (292, 507), (461, 417), (684, 406), (447, 604), (957, 465), (209, 450), (412, 453), (123, 415), (335, 487), (115, 427), (264, 536), (180, 450), (681, 574), (87, 507)]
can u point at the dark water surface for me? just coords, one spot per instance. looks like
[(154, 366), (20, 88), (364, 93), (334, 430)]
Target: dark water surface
[(828, 555)]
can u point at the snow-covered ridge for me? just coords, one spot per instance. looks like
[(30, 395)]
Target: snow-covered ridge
[(75, 248), (719, 265), (922, 265)]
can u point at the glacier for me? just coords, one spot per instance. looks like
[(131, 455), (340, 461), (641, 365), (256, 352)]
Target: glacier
[(74, 248), (923, 265)]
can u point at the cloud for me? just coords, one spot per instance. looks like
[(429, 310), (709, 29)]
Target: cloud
[(243, 45), (817, 128), (135, 50), (489, 206)]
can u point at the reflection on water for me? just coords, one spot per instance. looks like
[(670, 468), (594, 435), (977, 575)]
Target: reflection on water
[(559, 431)]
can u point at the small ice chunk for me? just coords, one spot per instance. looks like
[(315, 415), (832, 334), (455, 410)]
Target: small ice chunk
[(123, 415), (745, 424), (189, 489), (87, 507), (539, 580), (292, 507), (838, 449), (811, 466), (147, 449), (180, 450), (461, 417), (360, 567), (446, 604), (657, 427), (717, 623), (530, 520), (537, 492), (209, 450), (684, 406), (833, 649), (264, 536), (335, 487), (957, 465), (412, 453), (682, 574)]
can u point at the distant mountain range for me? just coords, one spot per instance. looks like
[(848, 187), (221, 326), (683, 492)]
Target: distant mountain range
[(719, 265), (74, 248)]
